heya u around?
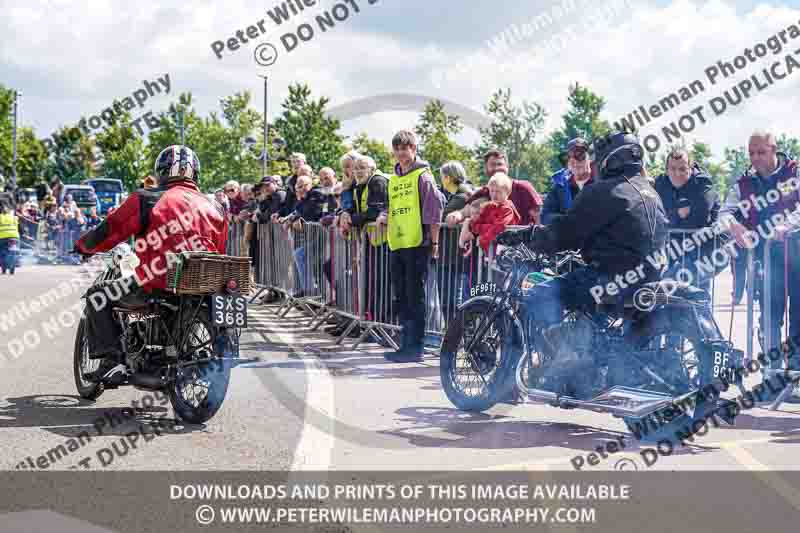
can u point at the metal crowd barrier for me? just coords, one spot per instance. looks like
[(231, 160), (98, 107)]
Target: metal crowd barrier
[(236, 245), (327, 275), (51, 245), (790, 273)]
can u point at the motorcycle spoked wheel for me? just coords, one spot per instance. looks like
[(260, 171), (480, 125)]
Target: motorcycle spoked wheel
[(678, 349), (198, 391), (82, 365), (476, 381)]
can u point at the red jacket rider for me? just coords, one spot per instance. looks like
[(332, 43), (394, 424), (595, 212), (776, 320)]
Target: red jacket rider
[(178, 218)]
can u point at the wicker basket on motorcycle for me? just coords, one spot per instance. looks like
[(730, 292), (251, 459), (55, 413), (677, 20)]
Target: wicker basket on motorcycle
[(206, 273)]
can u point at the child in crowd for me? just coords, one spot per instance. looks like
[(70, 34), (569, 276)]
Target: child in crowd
[(494, 217)]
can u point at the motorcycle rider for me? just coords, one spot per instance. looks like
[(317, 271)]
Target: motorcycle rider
[(616, 222), (174, 217)]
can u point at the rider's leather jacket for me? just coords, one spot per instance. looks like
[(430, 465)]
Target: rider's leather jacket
[(616, 223), (174, 219)]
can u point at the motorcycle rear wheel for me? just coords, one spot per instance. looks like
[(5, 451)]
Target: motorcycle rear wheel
[(198, 391)]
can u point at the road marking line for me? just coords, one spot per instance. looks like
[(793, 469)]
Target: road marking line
[(767, 476), (315, 448)]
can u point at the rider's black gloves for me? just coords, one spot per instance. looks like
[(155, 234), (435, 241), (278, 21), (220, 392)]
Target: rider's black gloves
[(515, 237)]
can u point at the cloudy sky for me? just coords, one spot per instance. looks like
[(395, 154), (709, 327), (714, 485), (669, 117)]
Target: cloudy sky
[(72, 58)]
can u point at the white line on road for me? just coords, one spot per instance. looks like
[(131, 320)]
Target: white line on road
[(315, 449)]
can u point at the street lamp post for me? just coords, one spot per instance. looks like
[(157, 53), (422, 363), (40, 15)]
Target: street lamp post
[(17, 94), (180, 115), (266, 133)]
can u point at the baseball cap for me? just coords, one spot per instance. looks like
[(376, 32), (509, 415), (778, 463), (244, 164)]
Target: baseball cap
[(271, 179), (577, 143)]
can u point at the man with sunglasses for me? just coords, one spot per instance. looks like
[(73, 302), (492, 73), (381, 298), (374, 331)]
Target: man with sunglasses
[(569, 181)]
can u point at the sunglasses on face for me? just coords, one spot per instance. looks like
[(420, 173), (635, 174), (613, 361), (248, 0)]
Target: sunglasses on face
[(578, 155)]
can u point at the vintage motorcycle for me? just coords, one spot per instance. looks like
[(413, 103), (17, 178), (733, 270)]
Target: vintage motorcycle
[(184, 345), (662, 346)]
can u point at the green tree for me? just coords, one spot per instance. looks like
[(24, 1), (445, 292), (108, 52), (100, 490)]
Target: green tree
[(31, 152), (376, 149), (306, 128), (582, 119), (513, 128), (72, 156), (737, 161), (435, 128), (655, 164), (536, 166), (789, 145), (122, 152)]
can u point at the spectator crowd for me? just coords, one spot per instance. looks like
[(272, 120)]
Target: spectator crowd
[(418, 216)]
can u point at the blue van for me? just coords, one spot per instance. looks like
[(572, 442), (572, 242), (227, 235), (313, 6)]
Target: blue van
[(110, 193)]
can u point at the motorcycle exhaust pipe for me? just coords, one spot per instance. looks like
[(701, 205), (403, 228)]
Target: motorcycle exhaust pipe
[(537, 394), (147, 381)]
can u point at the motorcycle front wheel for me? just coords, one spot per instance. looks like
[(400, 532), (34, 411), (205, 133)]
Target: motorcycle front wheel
[(476, 381), (82, 365)]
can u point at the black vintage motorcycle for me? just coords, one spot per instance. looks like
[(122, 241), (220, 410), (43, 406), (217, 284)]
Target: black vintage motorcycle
[(181, 344), (662, 346)]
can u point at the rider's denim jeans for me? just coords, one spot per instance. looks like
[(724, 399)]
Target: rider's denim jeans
[(300, 264), (546, 301)]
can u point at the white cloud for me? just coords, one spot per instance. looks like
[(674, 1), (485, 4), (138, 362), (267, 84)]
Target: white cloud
[(71, 59)]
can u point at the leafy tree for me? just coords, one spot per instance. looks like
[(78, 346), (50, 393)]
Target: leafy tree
[(513, 129), (435, 128), (536, 166), (582, 119), (31, 152), (72, 156), (737, 161), (306, 128), (376, 149), (655, 164), (789, 145), (122, 152)]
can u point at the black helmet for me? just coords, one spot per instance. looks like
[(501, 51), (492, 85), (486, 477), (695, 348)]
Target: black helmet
[(618, 153), (177, 163)]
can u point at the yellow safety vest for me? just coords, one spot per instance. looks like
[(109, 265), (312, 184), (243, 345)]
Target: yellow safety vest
[(9, 226), (375, 232), (405, 212)]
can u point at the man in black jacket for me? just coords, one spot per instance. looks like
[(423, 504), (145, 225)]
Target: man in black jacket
[(272, 198), (617, 223), (297, 160), (311, 206), (690, 202)]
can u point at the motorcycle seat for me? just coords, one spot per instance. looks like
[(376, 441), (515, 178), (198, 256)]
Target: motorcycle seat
[(133, 307)]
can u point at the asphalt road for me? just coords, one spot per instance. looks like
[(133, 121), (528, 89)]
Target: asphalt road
[(40, 408), (308, 405)]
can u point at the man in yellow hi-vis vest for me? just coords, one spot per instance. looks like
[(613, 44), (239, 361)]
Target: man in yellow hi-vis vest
[(413, 218), (9, 239)]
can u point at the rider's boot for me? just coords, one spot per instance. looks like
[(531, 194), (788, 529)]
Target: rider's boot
[(111, 370), (566, 361)]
